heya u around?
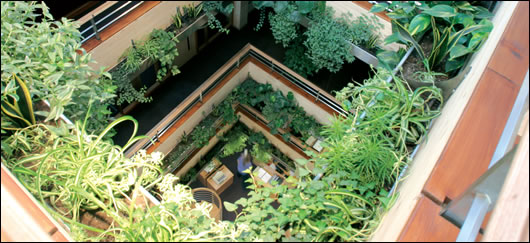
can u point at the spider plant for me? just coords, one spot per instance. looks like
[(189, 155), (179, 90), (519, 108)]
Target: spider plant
[(73, 170)]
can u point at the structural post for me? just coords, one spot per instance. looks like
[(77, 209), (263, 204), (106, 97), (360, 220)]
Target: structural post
[(240, 14)]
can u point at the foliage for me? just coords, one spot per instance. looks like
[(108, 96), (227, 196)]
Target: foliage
[(327, 42), (69, 169), (226, 111), (128, 93), (296, 59), (161, 46), (188, 13), (365, 31), (202, 133), (458, 29), (177, 18), (222, 6), (17, 108), (48, 56), (304, 124), (76, 169), (398, 114), (283, 29), (279, 110), (236, 143), (260, 153), (192, 11)]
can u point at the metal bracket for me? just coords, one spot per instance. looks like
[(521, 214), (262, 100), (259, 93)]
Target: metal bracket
[(93, 22)]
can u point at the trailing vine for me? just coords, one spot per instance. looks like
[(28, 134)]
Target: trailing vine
[(224, 7), (161, 46)]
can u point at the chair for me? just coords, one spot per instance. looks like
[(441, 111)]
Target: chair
[(206, 194)]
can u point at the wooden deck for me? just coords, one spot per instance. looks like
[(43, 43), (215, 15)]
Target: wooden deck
[(468, 153)]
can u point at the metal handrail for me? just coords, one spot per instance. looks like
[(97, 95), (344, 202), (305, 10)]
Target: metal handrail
[(482, 195), (107, 16)]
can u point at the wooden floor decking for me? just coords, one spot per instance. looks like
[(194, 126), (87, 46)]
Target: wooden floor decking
[(468, 153)]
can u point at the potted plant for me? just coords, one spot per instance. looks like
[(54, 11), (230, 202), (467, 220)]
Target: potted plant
[(450, 33)]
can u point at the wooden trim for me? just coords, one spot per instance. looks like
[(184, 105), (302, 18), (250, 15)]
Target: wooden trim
[(114, 28), (23, 218), (366, 5)]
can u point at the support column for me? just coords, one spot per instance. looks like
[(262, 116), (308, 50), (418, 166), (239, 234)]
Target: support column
[(240, 14)]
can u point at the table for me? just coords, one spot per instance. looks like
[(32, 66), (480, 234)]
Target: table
[(208, 170), (223, 171)]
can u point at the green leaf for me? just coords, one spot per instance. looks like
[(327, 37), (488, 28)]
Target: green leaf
[(419, 23), (482, 13), (457, 51), (476, 38), (305, 6), (464, 19), (242, 201), (442, 11), (302, 172), (230, 207), (54, 78), (295, 16), (301, 161), (404, 34), (280, 6), (378, 7), (455, 64), (464, 5)]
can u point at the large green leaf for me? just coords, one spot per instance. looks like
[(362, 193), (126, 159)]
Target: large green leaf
[(457, 51), (305, 6), (230, 207), (464, 5), (378, 7), (464, 19), (442, 11), (388, 59), (21, 110), (419, 23), (279, 6), (404, 34), (25, 102), (482, 13), (455, 64)]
